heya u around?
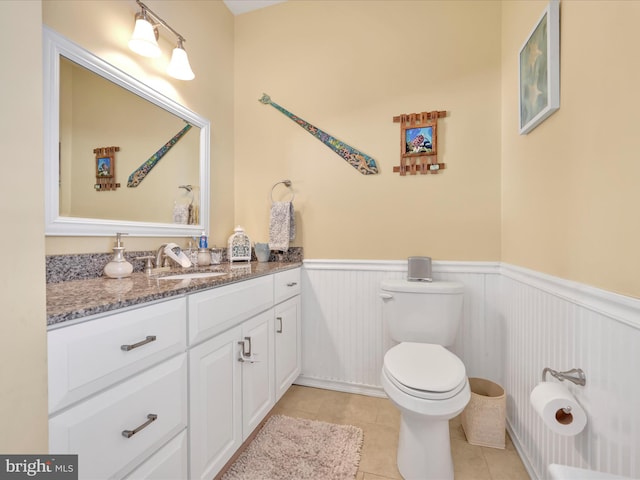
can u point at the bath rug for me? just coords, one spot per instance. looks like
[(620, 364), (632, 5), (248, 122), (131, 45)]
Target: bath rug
[(282, 227), (289, 448)]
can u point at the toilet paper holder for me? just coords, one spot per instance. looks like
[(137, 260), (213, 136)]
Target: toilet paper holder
[(575, 375)]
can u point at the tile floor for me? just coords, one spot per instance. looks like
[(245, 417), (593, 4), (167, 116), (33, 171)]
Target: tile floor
[(380, 422)]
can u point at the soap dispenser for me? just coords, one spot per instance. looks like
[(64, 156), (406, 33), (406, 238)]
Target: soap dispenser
[(118, 267)]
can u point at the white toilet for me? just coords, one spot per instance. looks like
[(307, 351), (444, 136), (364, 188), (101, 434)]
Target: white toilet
[(420, 376)]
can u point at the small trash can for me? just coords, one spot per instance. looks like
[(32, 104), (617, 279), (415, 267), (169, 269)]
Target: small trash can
[(483, 419)]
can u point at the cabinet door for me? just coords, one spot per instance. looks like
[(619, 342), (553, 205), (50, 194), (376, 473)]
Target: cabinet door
[(257, 370), (215, 422), (287, 344)]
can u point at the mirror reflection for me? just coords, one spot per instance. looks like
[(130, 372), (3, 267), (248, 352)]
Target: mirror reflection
[(119, 156), (96, 114)]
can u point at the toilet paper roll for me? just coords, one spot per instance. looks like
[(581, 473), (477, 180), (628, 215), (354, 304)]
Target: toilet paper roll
[(558, 408)]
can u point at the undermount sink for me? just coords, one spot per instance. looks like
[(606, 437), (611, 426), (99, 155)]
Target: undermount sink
[(183, 276)]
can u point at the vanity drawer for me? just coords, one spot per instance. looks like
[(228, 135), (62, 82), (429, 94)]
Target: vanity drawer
[(287, 285), (218, 309), (170, 462), (93, 429), (91, 356)]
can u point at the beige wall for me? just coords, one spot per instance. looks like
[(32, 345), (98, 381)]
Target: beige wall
[(23, 352), (349, 68), (570, 189), (208, 28)]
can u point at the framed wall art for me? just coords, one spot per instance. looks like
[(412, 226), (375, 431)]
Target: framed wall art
[(105, 168), (419, 143), (539, 70)]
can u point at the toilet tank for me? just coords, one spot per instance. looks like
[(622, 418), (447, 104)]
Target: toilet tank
[(425, 312)]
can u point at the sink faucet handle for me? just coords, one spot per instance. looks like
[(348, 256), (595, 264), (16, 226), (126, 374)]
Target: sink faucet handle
[(148, 264)]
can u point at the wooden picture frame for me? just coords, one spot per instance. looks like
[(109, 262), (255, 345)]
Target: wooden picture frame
[(539, 70), (106, 168), (419, 143)]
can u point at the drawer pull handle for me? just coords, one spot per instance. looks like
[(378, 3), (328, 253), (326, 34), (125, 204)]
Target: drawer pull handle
[(279, 329), (130, 433), (292, 284), (149, 339)]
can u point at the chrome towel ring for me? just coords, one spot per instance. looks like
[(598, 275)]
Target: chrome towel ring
[(286, 183)]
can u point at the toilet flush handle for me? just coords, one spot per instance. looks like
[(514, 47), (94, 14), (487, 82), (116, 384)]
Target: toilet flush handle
[(386, 296)]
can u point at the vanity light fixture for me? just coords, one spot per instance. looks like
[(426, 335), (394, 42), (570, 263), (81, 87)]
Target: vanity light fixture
[(144, 42)]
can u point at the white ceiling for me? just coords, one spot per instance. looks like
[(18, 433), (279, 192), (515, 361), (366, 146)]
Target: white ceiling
[(242, 6)]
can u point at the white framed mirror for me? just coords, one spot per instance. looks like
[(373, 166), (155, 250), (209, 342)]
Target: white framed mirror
[(90, 104)]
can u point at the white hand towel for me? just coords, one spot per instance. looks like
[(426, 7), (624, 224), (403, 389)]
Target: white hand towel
[(282, 227)]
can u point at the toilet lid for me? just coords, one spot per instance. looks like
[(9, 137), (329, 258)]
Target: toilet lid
[(425, 370)]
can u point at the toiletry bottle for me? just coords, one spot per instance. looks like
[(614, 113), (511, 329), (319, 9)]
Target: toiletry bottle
[(118, 267), (204, 257), (192, 252)]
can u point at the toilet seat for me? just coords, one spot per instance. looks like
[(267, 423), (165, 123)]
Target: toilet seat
[(425, 370)]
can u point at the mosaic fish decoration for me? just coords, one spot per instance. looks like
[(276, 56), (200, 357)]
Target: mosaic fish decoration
[(358, 160), (143, 170)]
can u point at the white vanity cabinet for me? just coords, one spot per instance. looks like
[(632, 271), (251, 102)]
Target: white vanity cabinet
[(288, 355), (118, 389), (171, 390), (231, 374)]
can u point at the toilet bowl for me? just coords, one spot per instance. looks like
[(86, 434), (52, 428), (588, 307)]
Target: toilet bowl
[(428, 384), (565, 472), (424, 380)]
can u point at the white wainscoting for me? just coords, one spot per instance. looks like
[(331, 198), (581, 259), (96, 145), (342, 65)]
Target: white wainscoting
[(344, 338), (548, 322), (516, 322)]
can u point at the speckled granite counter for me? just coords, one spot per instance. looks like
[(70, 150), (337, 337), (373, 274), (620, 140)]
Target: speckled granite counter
[(75, 299)]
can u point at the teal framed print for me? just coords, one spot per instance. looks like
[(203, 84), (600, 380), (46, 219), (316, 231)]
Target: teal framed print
[(539, 64)]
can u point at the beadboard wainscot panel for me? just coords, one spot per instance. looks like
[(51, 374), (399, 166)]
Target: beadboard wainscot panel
[(550, 322), (343, 335)]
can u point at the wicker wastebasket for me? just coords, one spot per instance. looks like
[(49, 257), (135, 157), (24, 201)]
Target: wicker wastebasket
[(483, 419)]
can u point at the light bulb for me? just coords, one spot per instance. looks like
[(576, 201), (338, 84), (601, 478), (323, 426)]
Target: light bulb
[(143, 41), (179, 66)]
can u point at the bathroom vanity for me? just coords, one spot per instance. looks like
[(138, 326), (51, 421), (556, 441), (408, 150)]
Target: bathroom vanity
[(169, 377)]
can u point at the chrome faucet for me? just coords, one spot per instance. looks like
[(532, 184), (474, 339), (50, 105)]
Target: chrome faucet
[(161, 257)]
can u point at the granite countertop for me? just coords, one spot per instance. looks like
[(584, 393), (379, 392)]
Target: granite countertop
[(75, 299)]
